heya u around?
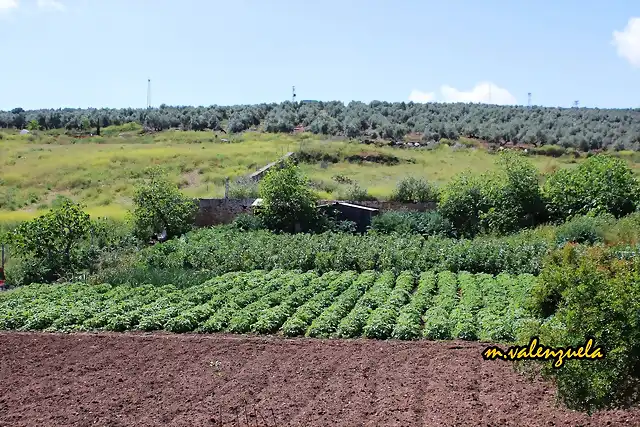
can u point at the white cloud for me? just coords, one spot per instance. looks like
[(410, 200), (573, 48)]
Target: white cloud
[(418, 96), (485, 92), (7, 5), (50, 5), (627, 42)]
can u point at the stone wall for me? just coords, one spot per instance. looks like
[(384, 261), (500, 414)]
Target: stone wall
[(223, 211), (260, 173)]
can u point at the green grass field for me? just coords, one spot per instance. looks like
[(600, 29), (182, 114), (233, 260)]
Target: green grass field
[(101, 172)]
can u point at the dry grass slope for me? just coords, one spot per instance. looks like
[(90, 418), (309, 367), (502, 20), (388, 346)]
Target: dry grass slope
[(102, 171)]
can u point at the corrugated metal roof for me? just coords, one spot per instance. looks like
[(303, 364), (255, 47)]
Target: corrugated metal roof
[(351, 205)]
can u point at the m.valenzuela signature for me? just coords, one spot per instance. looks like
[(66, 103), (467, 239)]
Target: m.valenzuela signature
[(534, 351)]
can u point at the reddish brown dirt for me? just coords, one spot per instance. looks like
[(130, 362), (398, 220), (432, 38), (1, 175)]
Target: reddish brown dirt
[(185, 380)]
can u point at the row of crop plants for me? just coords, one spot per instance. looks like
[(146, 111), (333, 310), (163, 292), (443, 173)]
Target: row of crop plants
[(222, 250), (370, 304)]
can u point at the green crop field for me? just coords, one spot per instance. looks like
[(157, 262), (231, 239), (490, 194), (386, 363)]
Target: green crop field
[(101, 172), (346, 304)]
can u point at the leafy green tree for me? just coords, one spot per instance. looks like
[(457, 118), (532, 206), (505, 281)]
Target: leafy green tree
[(501, 202), (19, 120), (160, 207), (462, 202), (33, 125), (601, 184), (85, 124), (513, 196), (287, 200), (50, 245)]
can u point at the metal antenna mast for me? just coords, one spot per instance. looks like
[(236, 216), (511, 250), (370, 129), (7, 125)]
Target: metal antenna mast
[(529, 99), (293, 94), (148, 93)]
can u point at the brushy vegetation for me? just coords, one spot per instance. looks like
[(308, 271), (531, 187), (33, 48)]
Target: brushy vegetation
[(503, 201), (601, 184), (591, 293), (414, 190), (497, 203)]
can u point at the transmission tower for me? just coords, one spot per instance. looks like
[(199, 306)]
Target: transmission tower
[(293, 94), (148, 93), (529, 99), (576, 104)]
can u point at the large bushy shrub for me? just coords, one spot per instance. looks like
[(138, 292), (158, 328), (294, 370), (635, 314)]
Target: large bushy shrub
[(49, 247), (288, 203), (501, 202), (355, 193), (462, 203), (589, 293), (161, 209), (601, 184), (414, 190), (583, 229), (513, 196)]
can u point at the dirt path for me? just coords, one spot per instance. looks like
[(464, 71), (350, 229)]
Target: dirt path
[(187, 380)]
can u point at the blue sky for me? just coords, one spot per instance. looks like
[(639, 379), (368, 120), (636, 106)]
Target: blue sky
[(99, 53)]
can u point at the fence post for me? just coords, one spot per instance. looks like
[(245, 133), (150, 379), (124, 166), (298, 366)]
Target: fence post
[(226, 188)]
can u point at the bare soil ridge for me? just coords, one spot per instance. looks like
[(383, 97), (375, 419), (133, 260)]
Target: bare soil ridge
[(194, 380)]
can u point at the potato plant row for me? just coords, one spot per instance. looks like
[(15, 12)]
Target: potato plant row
[(380, 305), (220, 250)]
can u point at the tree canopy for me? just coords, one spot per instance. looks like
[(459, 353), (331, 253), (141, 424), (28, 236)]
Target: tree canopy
[(581, 128)]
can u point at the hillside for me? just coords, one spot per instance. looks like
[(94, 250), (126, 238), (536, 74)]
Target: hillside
[(102, 171), (580, 128)]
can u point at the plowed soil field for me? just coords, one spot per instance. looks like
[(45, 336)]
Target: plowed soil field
[(212, 380)]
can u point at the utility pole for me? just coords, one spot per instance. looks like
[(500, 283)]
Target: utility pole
[(293, 94), (148, 93)]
